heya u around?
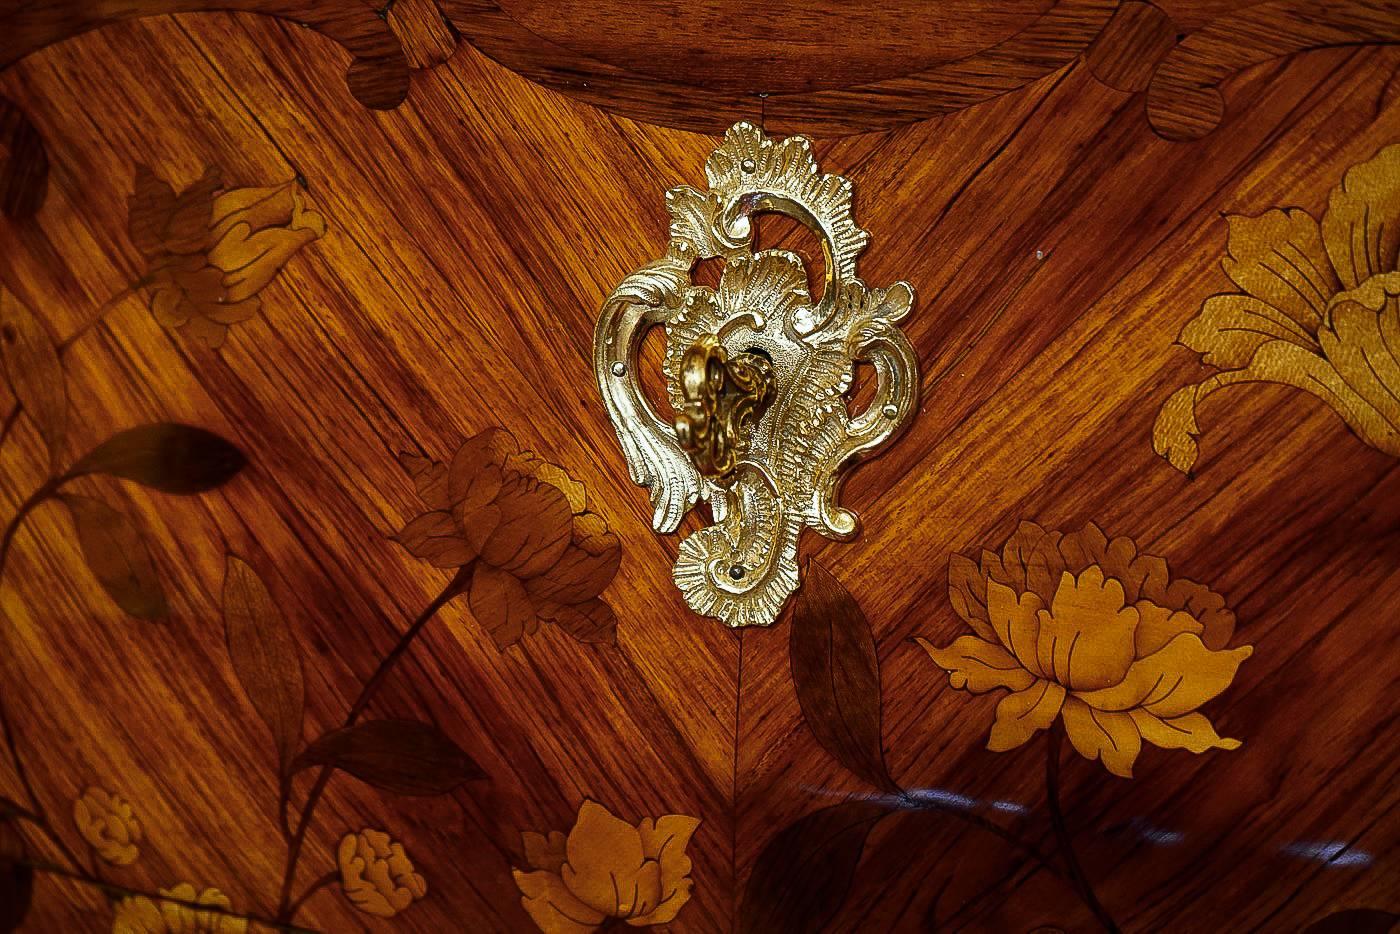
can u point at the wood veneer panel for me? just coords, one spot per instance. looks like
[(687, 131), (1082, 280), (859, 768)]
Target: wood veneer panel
[(470, 236)]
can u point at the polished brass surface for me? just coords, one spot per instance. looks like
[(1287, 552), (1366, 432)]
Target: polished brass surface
[(762, 332), (725, 396)]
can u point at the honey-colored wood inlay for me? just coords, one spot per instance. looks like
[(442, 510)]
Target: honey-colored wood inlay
[(327, 602)]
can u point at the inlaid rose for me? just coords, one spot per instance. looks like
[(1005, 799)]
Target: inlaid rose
[(141, 915), (377, 875), (109, 825)]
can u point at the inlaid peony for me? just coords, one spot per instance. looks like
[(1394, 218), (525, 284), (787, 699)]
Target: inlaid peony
[(607, 868), (1089, 631)]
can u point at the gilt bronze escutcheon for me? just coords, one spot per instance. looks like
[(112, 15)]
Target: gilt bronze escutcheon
[(757, 372)]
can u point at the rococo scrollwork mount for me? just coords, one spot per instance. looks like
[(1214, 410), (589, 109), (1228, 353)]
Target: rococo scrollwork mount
[(792, 364)]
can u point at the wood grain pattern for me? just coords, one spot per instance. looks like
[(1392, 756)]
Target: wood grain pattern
[(1058, 245)]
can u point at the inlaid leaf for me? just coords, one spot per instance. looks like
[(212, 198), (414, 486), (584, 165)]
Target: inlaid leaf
[(265, 657), (837, 676), (24, 163), (117, 557), (165, 456), (435, 537), (34, 371), (592, 622), (406, 757), (1356, 921), (803, 875), (500, 604), (16, 879)]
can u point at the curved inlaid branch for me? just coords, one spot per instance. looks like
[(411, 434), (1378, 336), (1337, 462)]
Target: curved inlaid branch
[(1184, 100), (1049, 42), (378, 77)]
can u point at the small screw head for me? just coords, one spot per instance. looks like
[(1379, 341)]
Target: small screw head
[(736, 571), (748, 165), (1039, 254), (619, 368), (890, 412)]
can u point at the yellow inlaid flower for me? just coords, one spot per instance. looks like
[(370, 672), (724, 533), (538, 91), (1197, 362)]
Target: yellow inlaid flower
[(377, 874), (607, 868), (108, 824), (1319, 310), (142, 915), (1087, 630), (210, 252)]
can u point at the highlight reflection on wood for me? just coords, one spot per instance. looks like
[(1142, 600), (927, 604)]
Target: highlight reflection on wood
[(327, 602)]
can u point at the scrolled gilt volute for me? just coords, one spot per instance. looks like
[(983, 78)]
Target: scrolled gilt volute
[(757, 372)]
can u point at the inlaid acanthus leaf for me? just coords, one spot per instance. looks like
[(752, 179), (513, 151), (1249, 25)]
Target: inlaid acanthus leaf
[(801, 878), (34, 372), (117, 557), (16, 879), (265, 657), (165, 456), (407, 757), (837, 676)]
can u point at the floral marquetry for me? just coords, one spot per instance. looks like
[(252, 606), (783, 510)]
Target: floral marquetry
[(606, 868), (262, 672), (523, 527), (377, 875), (179, 910), (1318, 309), (1092, 633), (210, 251), (109, 825)]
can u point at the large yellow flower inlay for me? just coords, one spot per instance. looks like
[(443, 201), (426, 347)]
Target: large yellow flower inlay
[(1319, 310), (1087, 630), (607, 868)]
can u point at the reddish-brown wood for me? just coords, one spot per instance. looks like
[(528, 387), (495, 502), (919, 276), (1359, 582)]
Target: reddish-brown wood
[(321, 305)]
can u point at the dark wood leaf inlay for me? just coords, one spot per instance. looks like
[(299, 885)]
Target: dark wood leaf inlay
[(118, 557), (165, 456), (802, 876), (406, 757), (265, 657), (837, 675)]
